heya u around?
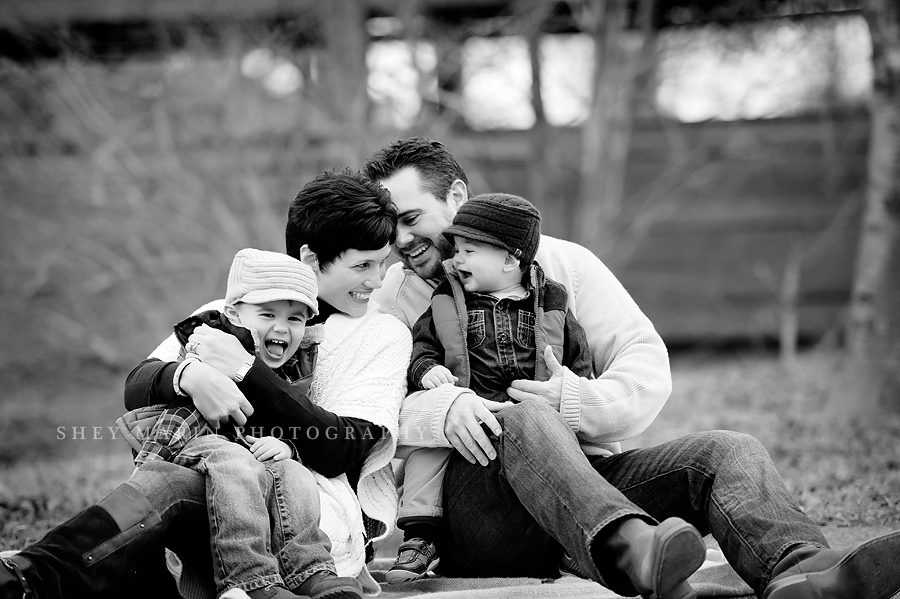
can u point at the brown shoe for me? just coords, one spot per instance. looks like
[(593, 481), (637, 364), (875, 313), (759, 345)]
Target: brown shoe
[(327, 585), (658, 560), (273, 591), (871, 570)]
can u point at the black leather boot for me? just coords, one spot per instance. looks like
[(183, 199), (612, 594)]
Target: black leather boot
[(657, 560), (13, 584), (92, 553), (870, 570)]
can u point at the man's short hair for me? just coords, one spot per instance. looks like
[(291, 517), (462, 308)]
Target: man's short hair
[(436, 165), (337, 211)]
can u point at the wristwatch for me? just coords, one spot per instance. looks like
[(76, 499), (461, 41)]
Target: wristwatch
[(243, 369)]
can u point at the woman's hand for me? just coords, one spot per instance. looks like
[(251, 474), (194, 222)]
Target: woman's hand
[(215, 395), (269, 448), (218, 349)]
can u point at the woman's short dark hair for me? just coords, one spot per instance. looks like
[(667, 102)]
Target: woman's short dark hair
[(435, 164), (337, 211)]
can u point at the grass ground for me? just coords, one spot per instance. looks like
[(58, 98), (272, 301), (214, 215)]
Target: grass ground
[(845, 473)]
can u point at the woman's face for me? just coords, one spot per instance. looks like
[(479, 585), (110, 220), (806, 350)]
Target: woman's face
[(348, 282)]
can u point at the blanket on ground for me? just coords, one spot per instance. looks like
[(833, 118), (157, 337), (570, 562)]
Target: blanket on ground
[(714, 579)]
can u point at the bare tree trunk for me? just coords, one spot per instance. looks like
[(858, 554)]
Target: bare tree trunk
[(873, 328), (788, 317), (606, 134), (539, 168), (343, 29)]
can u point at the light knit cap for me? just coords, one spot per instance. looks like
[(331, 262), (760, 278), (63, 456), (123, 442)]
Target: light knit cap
[(258, 276)]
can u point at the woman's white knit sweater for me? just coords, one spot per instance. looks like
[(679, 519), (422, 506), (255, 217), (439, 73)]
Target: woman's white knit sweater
[(361, 373)]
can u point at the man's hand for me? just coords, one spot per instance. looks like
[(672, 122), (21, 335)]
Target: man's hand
[(437, 376), (218, 349), (215, 395), (549, 390), (462, 427), (269, 448)]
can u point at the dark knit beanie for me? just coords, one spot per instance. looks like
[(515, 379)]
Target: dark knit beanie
[(500, 219)]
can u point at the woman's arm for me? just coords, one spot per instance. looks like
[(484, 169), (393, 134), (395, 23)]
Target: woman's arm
[(150, 383), (329, 444), (212, 393)]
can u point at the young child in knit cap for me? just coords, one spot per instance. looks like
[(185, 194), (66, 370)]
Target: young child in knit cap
[(489, 324), (261, 544)]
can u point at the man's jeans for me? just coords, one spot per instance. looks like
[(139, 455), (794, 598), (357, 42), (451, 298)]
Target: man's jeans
[(263, 517), (541, 494)]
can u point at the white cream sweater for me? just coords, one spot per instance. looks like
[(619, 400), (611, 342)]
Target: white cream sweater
[(631, 364), (361, 373)]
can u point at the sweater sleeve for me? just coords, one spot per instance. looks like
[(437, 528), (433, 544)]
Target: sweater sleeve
[(628, 356), (422, 416), (150, 383), (329, 444)]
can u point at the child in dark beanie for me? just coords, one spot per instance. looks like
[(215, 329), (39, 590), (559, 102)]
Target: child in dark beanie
[(489, 324)]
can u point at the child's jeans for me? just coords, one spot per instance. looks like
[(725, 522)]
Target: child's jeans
[(423, 484), (258, 537)]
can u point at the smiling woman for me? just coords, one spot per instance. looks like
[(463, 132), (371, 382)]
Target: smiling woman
[(348, 282)]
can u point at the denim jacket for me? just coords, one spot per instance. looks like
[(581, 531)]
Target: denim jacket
[(488, 343)]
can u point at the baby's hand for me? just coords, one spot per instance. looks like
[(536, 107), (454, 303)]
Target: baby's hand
[(269, 448), (437, 376)]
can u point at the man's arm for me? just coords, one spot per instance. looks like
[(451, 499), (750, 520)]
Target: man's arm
[(628, 355), (450, 416), (632, 365), (447, 416)]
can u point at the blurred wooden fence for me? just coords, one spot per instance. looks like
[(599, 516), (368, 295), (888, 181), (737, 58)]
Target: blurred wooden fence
[(719, 218), (125, 192)]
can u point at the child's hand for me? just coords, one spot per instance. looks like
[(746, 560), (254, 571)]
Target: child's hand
[(269, 448), (437, 376)]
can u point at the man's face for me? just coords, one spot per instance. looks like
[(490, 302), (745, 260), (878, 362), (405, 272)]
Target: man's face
[(422, 219)]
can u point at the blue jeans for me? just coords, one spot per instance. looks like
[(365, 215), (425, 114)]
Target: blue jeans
[(542, 494), (263, 517)]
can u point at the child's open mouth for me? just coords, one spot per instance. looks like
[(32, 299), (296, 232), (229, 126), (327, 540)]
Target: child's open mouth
[(276, 348)]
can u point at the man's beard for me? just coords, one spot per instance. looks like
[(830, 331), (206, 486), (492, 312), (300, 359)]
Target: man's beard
[(432, 268)]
